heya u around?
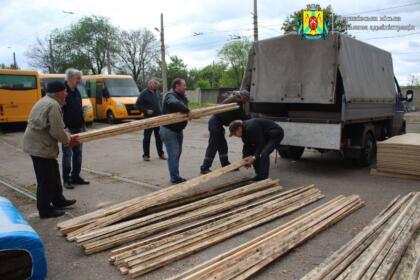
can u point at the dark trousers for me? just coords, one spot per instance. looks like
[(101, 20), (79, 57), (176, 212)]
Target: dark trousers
[(72, 159), (49, 189), (217, 144), (262, 163), (146, 141)]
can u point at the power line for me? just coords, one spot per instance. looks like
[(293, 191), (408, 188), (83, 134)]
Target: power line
[(384, 9)]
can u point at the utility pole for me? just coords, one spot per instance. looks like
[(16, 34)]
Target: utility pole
[(52, 70), (14, 60), (255, 22), (162, 53), (108, 58)]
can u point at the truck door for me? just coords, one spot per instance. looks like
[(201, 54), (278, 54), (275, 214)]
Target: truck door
[(398, 119)]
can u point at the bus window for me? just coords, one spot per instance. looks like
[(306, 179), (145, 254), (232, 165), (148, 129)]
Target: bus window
[(17, 82), (121, 87), (99, 90)]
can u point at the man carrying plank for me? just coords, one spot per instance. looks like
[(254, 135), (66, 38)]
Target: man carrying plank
[(44, 130), (217, 140), (175, 101), (260, 138)]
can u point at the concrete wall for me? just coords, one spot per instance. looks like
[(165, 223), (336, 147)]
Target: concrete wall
[(203, 95)]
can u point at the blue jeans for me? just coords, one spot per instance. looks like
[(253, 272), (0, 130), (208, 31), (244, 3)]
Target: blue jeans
[(173, 145), (72, 159)]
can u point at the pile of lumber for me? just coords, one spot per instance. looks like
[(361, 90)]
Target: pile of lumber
[(137, 206), (399, 156), (150, 254), (387, 248), (154, 122), (247, 259), (412, 121)]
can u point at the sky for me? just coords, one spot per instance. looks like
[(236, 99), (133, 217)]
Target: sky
[(23, 21)]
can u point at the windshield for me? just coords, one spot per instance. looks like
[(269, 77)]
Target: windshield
[(17, 82), (80, 87), (122, 87)]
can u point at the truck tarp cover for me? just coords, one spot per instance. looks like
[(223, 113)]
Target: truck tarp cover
[(287, 69)]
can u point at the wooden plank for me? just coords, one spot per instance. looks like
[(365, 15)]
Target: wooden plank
[(178, 252), (155, 198), (117, 253), (358, 274), (136, 223), (235, 225), (338, 261), (182, 219)]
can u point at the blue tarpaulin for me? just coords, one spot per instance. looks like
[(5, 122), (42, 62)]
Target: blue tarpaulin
[(17, 235)]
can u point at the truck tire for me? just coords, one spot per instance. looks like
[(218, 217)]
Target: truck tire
[(368, 152), (110, 117), (292, 152)]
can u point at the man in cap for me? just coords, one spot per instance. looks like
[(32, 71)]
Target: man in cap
[(44, 130), (217, 141), (260, 138)]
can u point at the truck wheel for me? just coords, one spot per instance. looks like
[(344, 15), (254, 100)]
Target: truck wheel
[(368, 152), (110, 118), (292, 152)]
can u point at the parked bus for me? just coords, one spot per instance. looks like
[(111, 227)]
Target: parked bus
[(113, 97), (87, 105), (19, 91)]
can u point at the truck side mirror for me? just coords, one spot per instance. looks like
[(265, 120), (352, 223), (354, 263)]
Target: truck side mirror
[(410, 95), (105, 93)]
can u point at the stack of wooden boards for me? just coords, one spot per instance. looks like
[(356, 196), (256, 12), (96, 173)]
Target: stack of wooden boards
[(252, 256), (154, 122), (399, 156), (387, 248), (412, 121), (244, 212)]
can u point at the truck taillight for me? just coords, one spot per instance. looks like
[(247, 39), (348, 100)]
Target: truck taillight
[(1, 110)]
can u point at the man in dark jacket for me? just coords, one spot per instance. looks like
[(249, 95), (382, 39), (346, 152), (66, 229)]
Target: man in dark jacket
[(175, 101), (75, 123), (260, 138), (217, 140), (150, 104)]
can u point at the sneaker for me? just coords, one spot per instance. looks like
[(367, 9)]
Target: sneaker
[(162, 157), (179, 180), (205, 171), (65, 203), (146, 158), (68, 185), (54, 213), (79, 181)]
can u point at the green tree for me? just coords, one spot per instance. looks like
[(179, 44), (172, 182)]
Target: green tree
[(235, 55), (83, 45), (291, 24), (177, 69)]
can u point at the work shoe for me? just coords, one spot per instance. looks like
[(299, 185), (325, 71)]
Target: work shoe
[(256, 179), (146, 158), (65, 203), (179, 180), (162, 157), (205, 171), (68, 185), (54, 213), (79, 181)]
